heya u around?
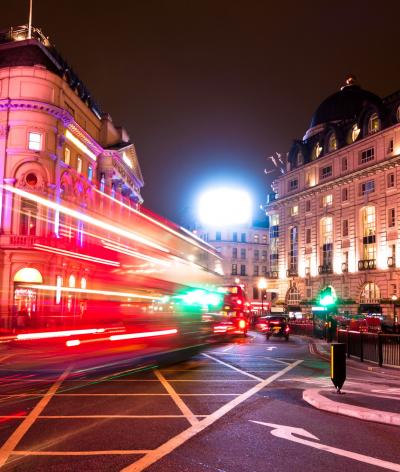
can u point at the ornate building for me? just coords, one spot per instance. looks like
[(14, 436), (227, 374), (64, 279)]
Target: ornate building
[(56, 143), (334, 216)]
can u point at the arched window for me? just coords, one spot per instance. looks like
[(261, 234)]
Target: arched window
[(354, 133), (71, 281), (28, 275), (316, 152), (293, 296), (374, 124), (332, 142), (83, 282), (370, 293), (299, 158)]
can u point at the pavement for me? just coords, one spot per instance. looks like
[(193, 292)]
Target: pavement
[(370, 392)]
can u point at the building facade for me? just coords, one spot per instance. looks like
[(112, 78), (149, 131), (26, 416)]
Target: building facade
[(244, 252), (334, 215), (56, 144)]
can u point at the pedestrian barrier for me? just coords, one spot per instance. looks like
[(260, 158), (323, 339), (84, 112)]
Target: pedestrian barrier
[(384, 349)]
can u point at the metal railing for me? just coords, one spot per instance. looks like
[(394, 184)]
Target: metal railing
[(367, 264), (325, 269), (384, 349)]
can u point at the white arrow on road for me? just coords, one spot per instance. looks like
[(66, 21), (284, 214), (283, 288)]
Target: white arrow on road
[(287, 432), (270, 348)]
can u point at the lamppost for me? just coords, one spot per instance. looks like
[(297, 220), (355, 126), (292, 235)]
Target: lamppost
[(262, 285), (394, 300)]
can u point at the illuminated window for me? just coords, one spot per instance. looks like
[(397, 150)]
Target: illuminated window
[(79, 165), (368, 221), (390, 180), (234, 269), (373, 123), (327, 243), (316, 152), (293, 249), (293, 296), (90, 173), (327, 200), (370, 293), (59, 283), (67, 156), (294, 210), (28, 217), (35, 141), (83, 282), (293, 184), (274, 220), (256, 238), (332, 142), (264, 239), (327, 230), (391, 217), (71, 281), (299, 158), (354, 133)]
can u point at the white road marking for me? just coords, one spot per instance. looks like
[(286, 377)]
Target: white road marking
[(156, 454), (233, 368), (176, 398), (55, 417), (270, 348), (9, 446), (228, 348), (287, 432)]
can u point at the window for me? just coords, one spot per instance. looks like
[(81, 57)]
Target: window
[(316, 152), (299, 158), (345, 228), (264, 270), (256, 254), (90, 173), (332, 142), (275, 220), (344, 164), (35, 141), (234, 253), (345, 194), (256, 270), (293, 184), (264, 239), (354, 133), (31, 179), (293, 249), (327, 200), (390, 180), (368, 221), (264, 255), (308, 235), (373, 123), (28, 217), (218, 235), (71, 281), (398, 114), (326, 172), (243, 237), (391, 217), (103, 186), (243, 254), (67, 156), (367, 155), (242, 269), (234, 237), (390, 146), (308, 205), (274, 232), (367, 187), (294, 210), (79, 165), (256, 238), (234, 269), (59, 282)]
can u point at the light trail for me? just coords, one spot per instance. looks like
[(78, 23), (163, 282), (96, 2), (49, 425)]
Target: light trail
[(119, 337), (58, 334), (75, 255)]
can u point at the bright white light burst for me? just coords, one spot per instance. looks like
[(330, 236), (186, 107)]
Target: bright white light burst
[(225, 206)]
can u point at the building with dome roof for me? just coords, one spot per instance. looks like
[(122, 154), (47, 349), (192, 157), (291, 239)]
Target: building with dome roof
[(334, 215)]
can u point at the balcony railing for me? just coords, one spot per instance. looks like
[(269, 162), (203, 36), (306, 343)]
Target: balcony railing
[(272, 274), (391, 261), (293, 272), (307, 271), (325, 269), (345, 267), (367, 264)]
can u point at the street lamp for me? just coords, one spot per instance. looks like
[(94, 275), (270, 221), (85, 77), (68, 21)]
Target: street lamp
[(262, 285), (394, 300)]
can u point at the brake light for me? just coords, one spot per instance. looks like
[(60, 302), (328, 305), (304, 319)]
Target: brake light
[(287, 329), (242, 324), (239, 302)]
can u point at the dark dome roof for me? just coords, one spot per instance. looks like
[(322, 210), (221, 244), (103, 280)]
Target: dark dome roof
[(347, 103)]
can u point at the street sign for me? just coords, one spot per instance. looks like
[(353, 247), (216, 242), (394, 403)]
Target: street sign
[(288, 432)]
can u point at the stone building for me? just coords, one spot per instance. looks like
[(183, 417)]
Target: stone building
[(57, 144), (334, 217)]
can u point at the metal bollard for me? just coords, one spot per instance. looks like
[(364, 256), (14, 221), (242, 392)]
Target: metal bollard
[(338, 365)]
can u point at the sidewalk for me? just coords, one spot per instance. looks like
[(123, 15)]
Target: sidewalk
[(370, 392)]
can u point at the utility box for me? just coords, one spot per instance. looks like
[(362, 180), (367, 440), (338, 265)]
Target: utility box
[(338, 365)]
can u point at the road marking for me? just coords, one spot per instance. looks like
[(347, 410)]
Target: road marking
[(233, 368), (228, 348), (156, 454), (18, 434), (177, 399), (287, 432), (79, 453), (7, 356), (270, 348), (63, 417)]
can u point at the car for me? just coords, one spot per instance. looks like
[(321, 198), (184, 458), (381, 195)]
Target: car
[(274, 325)]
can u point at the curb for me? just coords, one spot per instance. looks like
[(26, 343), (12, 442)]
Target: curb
[(314, 398)]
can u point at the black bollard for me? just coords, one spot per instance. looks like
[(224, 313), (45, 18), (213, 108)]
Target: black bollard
[(338, 365)]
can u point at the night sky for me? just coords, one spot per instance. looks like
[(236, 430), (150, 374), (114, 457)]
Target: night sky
[(208, 89)]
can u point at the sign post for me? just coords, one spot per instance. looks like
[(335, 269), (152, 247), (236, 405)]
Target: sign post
[(338, 365)]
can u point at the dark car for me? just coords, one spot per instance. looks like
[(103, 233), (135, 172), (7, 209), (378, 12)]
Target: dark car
[(274, 325)]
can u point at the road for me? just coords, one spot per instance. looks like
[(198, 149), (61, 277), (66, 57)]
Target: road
[(231, 408)]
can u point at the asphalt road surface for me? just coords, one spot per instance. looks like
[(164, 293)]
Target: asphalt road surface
[(231, 408)]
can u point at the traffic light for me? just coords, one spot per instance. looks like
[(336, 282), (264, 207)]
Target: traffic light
[(327, 297)]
